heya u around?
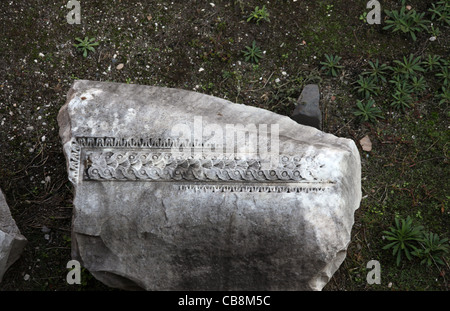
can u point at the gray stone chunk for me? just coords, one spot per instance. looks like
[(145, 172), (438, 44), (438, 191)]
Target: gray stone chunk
[(12, 242), (308, 111), (161, 203)]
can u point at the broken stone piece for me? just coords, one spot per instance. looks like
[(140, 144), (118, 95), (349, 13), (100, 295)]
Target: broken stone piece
[(366, 144), (12, 242), (308, 111), (176, 190)]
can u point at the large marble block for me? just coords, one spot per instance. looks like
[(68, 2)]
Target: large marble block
[(176, 190), (12, 242)]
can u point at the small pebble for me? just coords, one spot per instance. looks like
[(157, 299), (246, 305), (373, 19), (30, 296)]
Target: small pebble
[(45, 229)]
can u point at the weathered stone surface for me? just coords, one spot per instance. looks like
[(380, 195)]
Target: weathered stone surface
[(12, 242), (151, 215), (308, 111)]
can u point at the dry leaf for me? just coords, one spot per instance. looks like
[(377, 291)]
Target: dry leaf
[(366, 144)]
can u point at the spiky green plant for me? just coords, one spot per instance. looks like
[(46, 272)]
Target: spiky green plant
[(432, 62), (432, 249), (331, 64), (444, 96), (404, 88), (441, 12), (444, 74), (409, 66), (434, 31), (403, 238), (259, 14), (368, 111), (86, 45), (253, 53), (406, 21), (397, 79), (401, 101), (418, 84), (402, 95), (377, 71), (366, 86)]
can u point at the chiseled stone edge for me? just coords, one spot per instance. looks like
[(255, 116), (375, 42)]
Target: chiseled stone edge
[(236, 170), (137, 165), (303, 187)]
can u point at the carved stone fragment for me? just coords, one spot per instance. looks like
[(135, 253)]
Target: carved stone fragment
[(176, 190)]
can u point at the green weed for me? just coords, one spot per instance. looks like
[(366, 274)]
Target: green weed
[(259, 14), (403, 237), (86, 45), (253, 53), (366, 86), (406, 22), (368, 111), (331, 64)]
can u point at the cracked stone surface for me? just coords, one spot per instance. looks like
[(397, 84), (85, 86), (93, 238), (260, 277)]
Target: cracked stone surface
[(151, 215), (12, 242)]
